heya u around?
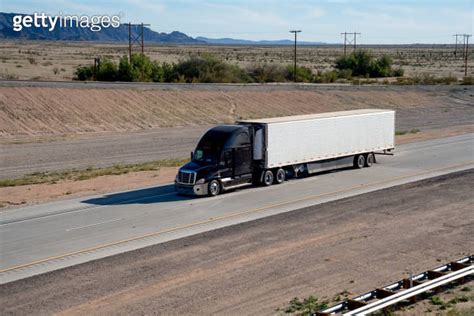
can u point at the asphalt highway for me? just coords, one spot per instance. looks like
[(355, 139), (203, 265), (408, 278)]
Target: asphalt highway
[(46, 237)]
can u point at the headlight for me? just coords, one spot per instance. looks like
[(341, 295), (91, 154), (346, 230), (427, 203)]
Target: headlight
[(201, 181)]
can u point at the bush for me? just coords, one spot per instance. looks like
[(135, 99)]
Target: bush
[(345, 74), (141, 68), (208, 68), (107, 70), (326, 77), (303, 74), (306, 306), (399, 72), (363, 64), (204, 68), (84, 73), (267, 73), (124, 70)]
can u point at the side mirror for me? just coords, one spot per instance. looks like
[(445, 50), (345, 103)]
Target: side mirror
[(192, 155)]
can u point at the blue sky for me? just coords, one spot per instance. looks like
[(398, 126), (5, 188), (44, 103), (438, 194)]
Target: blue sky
[(384, 22)]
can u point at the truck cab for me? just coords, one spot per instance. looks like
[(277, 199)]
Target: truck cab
[(221, 161)]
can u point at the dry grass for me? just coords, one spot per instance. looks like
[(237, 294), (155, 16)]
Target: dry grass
[(52, 177), (39, 59)]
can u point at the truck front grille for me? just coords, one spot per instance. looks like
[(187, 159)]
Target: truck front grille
[(186, 177)]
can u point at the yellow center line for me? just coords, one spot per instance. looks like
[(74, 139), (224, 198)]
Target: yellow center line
[(224, 217)]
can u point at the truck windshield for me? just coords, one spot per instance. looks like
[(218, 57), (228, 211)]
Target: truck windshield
[(207, 153)]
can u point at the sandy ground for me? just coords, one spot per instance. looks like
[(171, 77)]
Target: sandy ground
[(353, 244), (49, 111), (41, 60), (40, 193)]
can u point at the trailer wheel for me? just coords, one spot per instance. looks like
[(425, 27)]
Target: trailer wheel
[(359, 161), (267, 178), (369, 160), (214, 188), (280, 176)]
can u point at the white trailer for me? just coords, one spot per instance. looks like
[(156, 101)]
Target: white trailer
[(304, 141)]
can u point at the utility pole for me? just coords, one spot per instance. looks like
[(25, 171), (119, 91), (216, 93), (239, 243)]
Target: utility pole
[(456, 42), (345, 41), (137, 39), (96, 68), (129, 42), (295, 32), (348, 41), (466, 52)]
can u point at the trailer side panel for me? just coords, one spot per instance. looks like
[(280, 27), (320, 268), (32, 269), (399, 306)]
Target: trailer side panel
[(301, 141)]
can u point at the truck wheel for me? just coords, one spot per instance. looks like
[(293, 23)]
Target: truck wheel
[(359, 161), (280, 176), (369, 160), (267, 178), (214, 188)]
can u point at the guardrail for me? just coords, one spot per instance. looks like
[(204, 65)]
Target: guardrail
[(404, 289)]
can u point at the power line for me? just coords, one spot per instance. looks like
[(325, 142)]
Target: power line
[(349, 41), (458, 42), (137, 39)]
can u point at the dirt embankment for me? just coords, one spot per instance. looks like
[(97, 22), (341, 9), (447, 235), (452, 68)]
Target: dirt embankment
[(353, 244), (50, 111)]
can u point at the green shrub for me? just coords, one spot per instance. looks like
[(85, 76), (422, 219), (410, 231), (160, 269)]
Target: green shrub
[(362, 63), (303, 74), (107, 70), (399, 72), (141, 68), (345, 74), (307, 306), (124, 70), (326, 76), (266, 73), (84, 73), (209, 68)]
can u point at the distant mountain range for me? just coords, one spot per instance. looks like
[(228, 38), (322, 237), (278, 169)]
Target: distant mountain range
[(119, 34), (232, 41), (110, 34)]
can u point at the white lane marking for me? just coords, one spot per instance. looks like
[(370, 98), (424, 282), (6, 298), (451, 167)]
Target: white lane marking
[(95, 224)]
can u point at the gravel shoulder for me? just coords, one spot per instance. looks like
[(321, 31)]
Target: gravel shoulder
[(253, 268)]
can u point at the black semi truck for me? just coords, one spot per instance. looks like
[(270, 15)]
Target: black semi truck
[(268, 151)]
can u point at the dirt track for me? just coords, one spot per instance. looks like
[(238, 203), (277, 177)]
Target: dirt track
[(352, 244), (45, 128)]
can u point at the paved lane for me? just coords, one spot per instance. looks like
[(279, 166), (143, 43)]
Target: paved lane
[(45, 237)]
